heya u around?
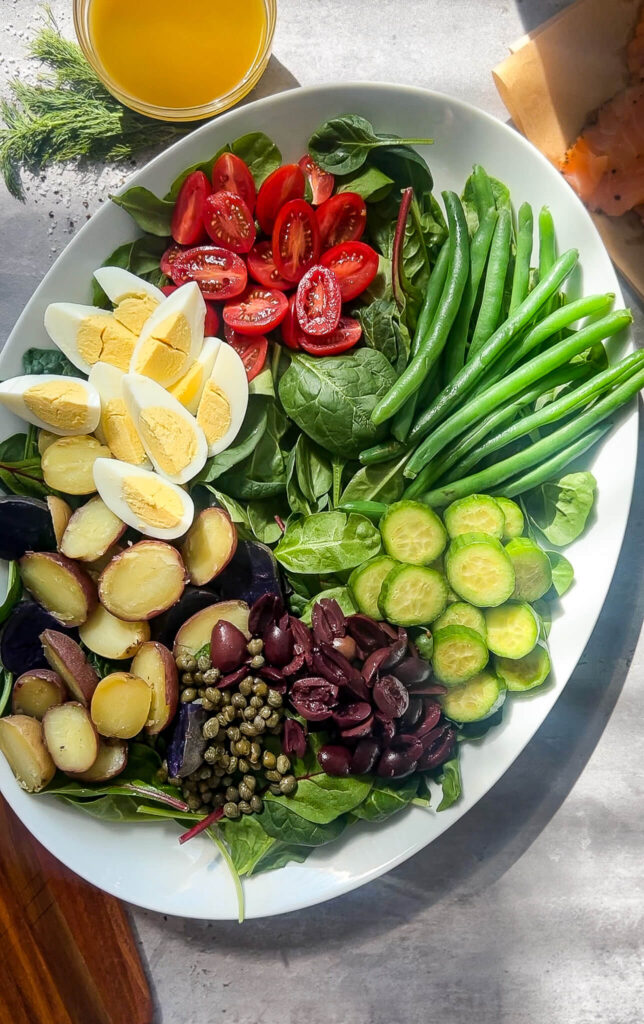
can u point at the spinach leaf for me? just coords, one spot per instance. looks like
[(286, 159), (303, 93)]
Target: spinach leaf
[(378, 321), (247, 842), (342, 144), (278, 855), (313, 469), (297, 502), (263, 473), (6, 686), (112, 808), (405, 166), (383, 481), (450, 780), (14, 590), (249, 436), (48, 360), (560, 508), (386, 798), (20, 474), (261, 519), (368, 182), (327, 542), (563, 573), (140, 257), (280, 822), (235, 510), (260, 154), (342, 595), (332, 399), (149, 212), (104, 667), (204, 165), (262, 384)]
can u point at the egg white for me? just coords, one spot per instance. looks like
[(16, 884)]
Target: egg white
[(186, 300), (108, 381), (229, 374), (119, 284), (109, 475), (142, 392), (12, 397), (206, 360), (62, 323)]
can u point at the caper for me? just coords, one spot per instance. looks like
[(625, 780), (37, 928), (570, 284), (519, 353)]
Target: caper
[(231, 810), (226, 780), (219, 800), (203, 662), (275, 790), (257, 661), (243, 747), (246, 686), (260, 724), (204, 787), (232, 764), (162, 774), (248, 729), (211, 676), (250, 781), (244, 806), (232, 732), (249, 714), (173, 780), (255, 646), (283, 764), (255, 751), (232, 794), (198, 678), (204, 773), (256, 702), (212, 693), (219, 771), (202, 692), (244, 791), (256, 804), (226, 696), (268, 759), (194, 802), (210, 729), (260, 689), (265, 712), (273, 721), (274, 699), (288, 785), (221, 718), (244, 765), (183, 661), (207, 796), (272, 775), (230, 713), (188, 695)]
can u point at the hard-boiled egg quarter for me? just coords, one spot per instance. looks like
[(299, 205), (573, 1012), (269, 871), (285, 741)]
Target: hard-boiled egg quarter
[(224, 400), (134, 298), (62, 405), (172, 337), (189, 388), (172, 438), (143, 499), (87, 335), (116, 427)]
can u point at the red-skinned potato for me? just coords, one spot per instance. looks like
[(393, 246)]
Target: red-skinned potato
[(110, 761), (91, 531), (120, 705), (209, 545), (36, 691), (60, 513), (142, 581), (196, 632), (70, 737), (94, 569), (68, 660), (68, 463), (23, 745), (154, 663), (59, 585), (113, 638)]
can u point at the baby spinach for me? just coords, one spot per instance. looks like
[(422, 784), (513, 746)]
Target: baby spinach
[(261, 519), (249, 436), (323, 798), (279, 821), (382, 482), (20, 471), (247, 842), (368, 182), (560, 508), (48, 360), (14, 590), (260, 154), (149, 212), (297, 501), (263, 473), (381, 329), (450, 780), (313, 469), (563, 573), (140, 257), (327, 542), (342, 144), (278, 855), (386, 798), (405, 166)]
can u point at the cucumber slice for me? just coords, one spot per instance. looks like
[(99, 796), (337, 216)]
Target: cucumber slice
[(514, 521), (459, 654), (476, 699), (478, 513), (512, 629), (479, 570), (532, 569), (412, 532), (412, 595), (365, 583), (525, 673), (462, 614)]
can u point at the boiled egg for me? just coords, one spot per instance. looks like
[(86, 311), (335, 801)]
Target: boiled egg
[(172, 438), (87, 335), (143, 499), (135, 299), (172, 337), (223, 403), (62, 405), (116, 428), (189, 388)]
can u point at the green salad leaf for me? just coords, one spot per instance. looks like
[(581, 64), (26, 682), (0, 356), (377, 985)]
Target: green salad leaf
[(140, 257), (327, 542), (563, 574), (252, 430), (150, 213), (369, 182), (20, 469), (382, 481), (387, 797), (450, 780), (14, 591), (560, 508), (323, 798), (342, 595), (342, 144), (261, 519), (48, 360), (281, 822), (6, 686), (260, 154)]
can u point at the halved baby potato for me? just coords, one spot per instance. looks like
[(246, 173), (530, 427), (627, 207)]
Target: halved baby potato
[(23, 745), (197, 630), (110, 761), (36, 691), (59, 585), (120, 705), (45, 438), (70, 737), (68, 463), (94, 569), (60, 513), (68, 660), (209, 545), (143, 581), (113, 638), (154, 663), (91, 531)]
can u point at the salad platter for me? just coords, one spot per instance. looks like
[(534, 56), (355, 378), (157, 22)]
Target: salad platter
[(295, 432)]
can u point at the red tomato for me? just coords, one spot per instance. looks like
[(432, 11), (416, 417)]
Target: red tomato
[(187, 217), (291, 330), (285, 183), (342, 218), (261, 266), (229, 222), (169, 257), (296, 239), (256, 311), (219, 273), (251, 351), (321, 182), (355, 264), (318, 301), (231, 174), (211, 323), (345, 336)]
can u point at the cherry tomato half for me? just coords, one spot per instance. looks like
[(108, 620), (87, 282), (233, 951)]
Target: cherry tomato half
[(169, 256), (290, 328), (318, 301), (296, 239), (219, 273), (285, 183), (342, 218), (229, 222), (261, 266), (321, 182), (256, 311), (231, 174), (345, 336), (355, 264), (251, 351), (186, 226)]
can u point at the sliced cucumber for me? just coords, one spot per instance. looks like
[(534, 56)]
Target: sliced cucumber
[(527, 672), (459, 654), (478, 513), (462, 614), (532, 569), (365, 583), (412, 595), (412, 532), (514, 521), (479, 570), (476, 699), (512, 629)]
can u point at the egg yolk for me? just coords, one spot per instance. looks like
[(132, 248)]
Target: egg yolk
[(120, 433), (214, 415), (61, 405), (189, 387), (134, 310), (169, 438), (104, 338), (154, 502)]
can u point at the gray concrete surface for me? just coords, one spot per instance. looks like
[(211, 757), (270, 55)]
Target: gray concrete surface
[(530, 910)]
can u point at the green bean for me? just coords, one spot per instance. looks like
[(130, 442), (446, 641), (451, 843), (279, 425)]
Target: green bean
[(381, 452), (521, 277), (541, 450), (472, 371), (479, 249), (551, 467), (479, 405), (483, 192), (433, 343), (495, 275), (373, 510), (547, 242)]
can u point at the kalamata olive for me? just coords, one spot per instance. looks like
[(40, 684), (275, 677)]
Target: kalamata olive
[(384, 727), (364, 757), (232, 678), (268, 608), (413, 671), (439, 751), (407, 744), (314, 698), (346, 645), (430, 719), (372, 664), (293, 738), (348, 715), (366, 633), (390, 696), (294, 665), (428, 689), (334, 759), (356, 732), (278, 643), (397, 651), (395, 764), (301, 634), (271, 674), (413, 713), (227, 646), (327, 620)]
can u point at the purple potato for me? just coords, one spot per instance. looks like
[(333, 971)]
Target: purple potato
[(166, 626), (187, 744), (20, 647), (251, 573), (25, 525)]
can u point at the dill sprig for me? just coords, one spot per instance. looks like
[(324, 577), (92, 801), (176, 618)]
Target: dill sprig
[(68, 115)]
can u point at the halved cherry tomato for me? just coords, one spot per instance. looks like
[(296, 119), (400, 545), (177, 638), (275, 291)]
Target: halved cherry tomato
[(211, 323), (285, 183), (345, 336), (169, 257), (296, 239), (355, 264), (290, 328), (342, 218), (261, 266), (186, 226), (318, 301), (256, 311), (251, 351), (229, 222), (321, 182), (231, 174), (219, 273)]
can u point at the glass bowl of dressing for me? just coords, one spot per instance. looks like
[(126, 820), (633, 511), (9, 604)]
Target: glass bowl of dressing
[(177, 61)]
